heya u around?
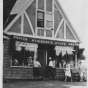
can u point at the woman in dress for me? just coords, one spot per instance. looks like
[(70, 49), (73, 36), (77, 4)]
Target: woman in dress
[(67, 71), (81, 71)]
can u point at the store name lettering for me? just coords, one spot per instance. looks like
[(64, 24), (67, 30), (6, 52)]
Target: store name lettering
[(32, 40)]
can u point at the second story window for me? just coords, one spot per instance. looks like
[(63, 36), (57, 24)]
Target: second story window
[(40, 19), (49, 20)]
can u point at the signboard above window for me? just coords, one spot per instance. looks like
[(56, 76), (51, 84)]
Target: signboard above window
[(44, 41)]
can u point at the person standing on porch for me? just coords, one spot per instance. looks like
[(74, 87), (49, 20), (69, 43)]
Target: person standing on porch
[(36, 68), (50, 68), (81, 71), (67, 71)]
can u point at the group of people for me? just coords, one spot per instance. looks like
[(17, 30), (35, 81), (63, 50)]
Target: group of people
[(37, 66), (68, 71), (51, 69)]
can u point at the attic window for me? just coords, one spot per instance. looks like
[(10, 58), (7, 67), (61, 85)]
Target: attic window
[(49, 20), (40, 19)]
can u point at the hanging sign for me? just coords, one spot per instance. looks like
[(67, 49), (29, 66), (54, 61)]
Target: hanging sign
[(44, 41)]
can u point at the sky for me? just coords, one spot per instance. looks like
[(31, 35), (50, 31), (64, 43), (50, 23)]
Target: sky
[(77, 13)]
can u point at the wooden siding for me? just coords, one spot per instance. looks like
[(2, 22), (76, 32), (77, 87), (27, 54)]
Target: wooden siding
[(49, 5), (13, 72), (27, 29), (61, 32), (60, 74), (57, 19), (6, 53), (40, 32), (16, 27), (69, 34), (20, 72), (31, 11), (48, 33), (41, 4)]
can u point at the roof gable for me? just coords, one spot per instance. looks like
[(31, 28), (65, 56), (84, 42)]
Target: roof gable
[(66, 19), (60, 33)]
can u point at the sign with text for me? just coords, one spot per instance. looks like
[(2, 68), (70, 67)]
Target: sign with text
[(44, 41)]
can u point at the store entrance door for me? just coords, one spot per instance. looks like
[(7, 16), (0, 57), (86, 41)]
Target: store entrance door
[(44, 52), (42, 57), (50, 53)]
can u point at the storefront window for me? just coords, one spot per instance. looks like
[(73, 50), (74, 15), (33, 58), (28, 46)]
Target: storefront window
[(64, 56), (23, 55)]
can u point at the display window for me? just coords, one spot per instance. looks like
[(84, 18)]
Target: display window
[(63, 56), (23, 54)]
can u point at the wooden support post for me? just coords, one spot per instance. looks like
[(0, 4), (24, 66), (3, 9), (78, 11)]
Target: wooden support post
[(75, 60)]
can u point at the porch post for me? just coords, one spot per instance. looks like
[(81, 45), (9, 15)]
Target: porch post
[(76, 52), (76, 60), (46, 57)]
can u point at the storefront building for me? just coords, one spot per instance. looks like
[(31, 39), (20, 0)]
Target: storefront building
[(40, 30)]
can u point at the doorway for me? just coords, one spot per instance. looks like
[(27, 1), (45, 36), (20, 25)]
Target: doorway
[(41, 57), (44, 52), (50, 53)]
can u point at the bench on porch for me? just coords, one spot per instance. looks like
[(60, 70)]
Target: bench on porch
[(60, 74)]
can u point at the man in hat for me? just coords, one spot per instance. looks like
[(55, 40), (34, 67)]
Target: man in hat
[(50, 68)]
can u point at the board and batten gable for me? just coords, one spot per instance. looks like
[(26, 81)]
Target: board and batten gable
[(44, 19)]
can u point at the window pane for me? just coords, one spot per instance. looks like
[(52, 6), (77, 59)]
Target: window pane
[(23, 55), (49, 20), (40, 23), (49, 16), (40, 15), (48, 33), (40, 32), (29, 57), (48, 24), (63, 56), (18, 56), (40, 19)]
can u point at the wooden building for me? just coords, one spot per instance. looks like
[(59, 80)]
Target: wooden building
[(40, 29)]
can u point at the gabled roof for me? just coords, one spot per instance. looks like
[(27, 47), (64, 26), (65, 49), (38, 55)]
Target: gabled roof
[(66, 18), (13, 8), (19, 5), (17, 9)]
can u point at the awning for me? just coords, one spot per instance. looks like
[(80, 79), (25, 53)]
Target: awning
[(63, 50), (66, 48)]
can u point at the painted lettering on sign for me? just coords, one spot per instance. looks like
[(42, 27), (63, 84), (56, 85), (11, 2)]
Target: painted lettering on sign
[(44, 41)]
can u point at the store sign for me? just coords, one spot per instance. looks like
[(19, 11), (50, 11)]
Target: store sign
[(44, 41)]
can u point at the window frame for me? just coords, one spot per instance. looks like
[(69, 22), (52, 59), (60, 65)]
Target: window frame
[(50, 20), (45, 11), (40, 19), (23, 66), (62, 59)]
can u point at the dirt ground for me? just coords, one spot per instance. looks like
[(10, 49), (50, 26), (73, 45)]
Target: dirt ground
[(43, 84)]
